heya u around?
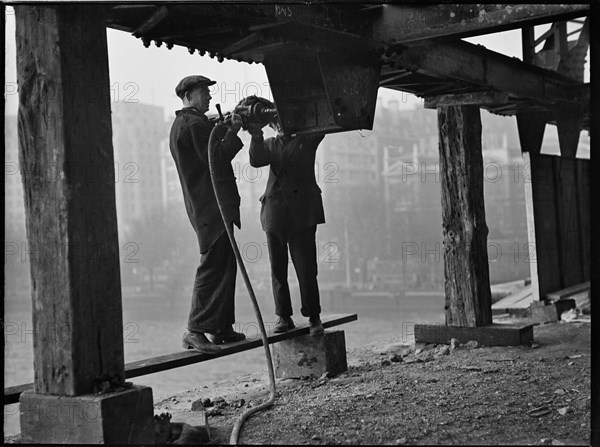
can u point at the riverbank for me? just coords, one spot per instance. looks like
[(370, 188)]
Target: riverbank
[(538, 394)]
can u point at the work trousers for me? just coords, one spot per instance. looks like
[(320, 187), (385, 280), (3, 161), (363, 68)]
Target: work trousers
[(304, 257), (213, 305)]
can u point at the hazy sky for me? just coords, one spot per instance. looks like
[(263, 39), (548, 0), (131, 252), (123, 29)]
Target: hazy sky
[(151, 74)]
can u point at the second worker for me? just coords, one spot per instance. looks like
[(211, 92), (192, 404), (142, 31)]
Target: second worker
[(291, 209)]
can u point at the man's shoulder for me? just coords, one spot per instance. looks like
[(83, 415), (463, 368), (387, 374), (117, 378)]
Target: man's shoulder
[(186, 122), (192, 116)]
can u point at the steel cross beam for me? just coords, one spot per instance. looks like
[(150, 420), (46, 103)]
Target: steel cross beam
[(408, 23), (480, 67)]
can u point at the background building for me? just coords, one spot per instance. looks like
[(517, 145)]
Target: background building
[(381, 192), (139, 135)]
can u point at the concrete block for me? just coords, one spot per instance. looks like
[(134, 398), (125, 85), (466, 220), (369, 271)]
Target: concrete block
[(490, 335), (541, 312), (310, 356), (119, 417)]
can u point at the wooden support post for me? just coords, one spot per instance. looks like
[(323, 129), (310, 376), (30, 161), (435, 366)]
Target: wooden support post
[(557, 200), (531, 127), (466, 270), (65, 137)]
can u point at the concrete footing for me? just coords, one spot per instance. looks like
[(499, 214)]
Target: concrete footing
[(491, 335), (120, 417), (310, 356)]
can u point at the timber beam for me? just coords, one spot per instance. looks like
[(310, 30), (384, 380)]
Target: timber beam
[(464, 99), (479, 67), (407, 23), (72, 225)]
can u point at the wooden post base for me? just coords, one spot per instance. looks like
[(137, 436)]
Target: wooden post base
[(308, 356), (491, 335), (120, 417)]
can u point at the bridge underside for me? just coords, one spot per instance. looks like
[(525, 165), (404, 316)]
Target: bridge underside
[(416, 49)]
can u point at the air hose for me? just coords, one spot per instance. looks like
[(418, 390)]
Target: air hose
[(233, 440)]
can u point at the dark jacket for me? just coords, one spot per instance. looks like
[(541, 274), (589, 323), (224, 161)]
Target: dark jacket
[(189, 146), (292, 200)]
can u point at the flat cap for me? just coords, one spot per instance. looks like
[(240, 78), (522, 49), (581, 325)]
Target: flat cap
[(191, 81)]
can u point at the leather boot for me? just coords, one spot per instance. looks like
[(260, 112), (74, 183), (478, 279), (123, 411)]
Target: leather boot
[(316, 327), (284, 324), (199, 342)]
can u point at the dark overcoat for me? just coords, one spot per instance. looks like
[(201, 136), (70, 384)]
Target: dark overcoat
[(189, 146), (292, 199)]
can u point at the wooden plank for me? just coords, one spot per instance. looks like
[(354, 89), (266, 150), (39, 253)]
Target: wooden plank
[(189, 357), (466, 269), (569, 291), (464, 99), (165, 362), (522, 298), (65, 122), (490, 335)]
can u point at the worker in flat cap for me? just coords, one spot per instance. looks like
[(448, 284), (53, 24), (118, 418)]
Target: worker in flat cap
[(292, 208), (212, 312)]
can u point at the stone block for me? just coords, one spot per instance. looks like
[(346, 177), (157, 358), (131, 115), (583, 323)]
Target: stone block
[(490, 335), (119, 417), (541, 313), (310, 356)]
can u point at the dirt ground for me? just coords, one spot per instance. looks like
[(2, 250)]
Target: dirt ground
[(538, 394)]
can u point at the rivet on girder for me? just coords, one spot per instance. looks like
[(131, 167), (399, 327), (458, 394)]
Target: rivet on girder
[(146, 41), (158, 43), (220, 58), (211, 54), (201, 52), (191, 50), (169, 45)]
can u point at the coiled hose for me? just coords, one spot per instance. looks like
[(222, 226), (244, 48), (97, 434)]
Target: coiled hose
[(233, 439)]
